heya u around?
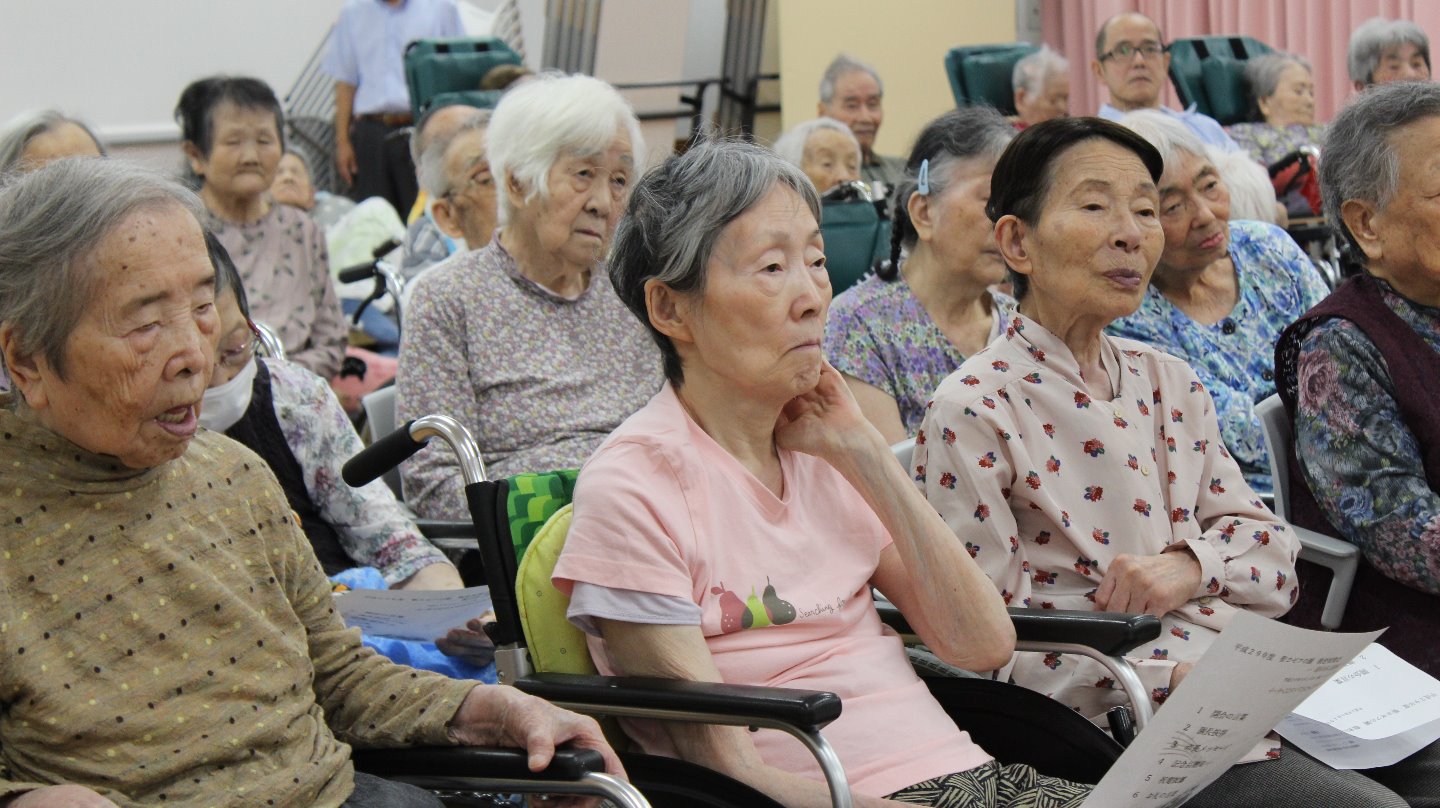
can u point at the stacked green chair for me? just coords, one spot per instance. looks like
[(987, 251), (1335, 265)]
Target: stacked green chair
[(449, 71), (1209, 72), (982, 74), (855, 234)]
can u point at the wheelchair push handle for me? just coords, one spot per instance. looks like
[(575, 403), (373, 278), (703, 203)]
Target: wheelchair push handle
[(397, 447), (361, 271)]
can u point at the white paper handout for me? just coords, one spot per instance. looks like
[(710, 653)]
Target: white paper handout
[(1254, 674), (411, 614), (1377, 710)]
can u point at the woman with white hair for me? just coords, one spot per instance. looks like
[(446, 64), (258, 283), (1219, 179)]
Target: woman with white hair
[(825, 149), (32, 139), (1041, 82), (523, 339), (1382, 51), (1223, 291)]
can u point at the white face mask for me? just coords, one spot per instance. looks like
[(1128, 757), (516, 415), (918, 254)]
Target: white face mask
[(224, 405)]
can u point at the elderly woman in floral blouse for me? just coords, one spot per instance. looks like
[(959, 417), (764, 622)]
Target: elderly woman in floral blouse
[(1358, 372), (1088, 472), (1223, 291), (524, 340)]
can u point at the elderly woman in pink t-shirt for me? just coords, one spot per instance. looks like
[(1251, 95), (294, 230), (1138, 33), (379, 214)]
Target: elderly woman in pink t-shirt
[(731, 530)]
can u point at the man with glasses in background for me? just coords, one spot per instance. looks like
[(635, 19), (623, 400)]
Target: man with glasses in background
[(1133, 63)]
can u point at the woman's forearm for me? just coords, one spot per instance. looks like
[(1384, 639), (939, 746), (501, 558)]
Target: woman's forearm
[(943, 592)]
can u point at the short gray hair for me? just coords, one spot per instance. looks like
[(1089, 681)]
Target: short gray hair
[(51, 221), (27, 126), (1376, 35), (1360, 161), (791, 145), (550, 115), (434, 180), (843, 65), (1169, 136), (678, 211), (418, 138), (1030, 72), (1262, 73)]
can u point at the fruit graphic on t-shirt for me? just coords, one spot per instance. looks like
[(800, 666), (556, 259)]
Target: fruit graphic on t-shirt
[(781, 612), (755, 616), (733, 614)]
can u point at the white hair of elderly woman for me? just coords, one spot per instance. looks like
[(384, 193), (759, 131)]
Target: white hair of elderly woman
[(1251, 194), (25, 127), (549, 116), (791, 145), (1370, 40), (1031, 71), (434, 180)]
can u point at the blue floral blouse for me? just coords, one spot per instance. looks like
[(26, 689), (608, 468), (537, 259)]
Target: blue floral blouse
[(1362, 463), (1235, 358)]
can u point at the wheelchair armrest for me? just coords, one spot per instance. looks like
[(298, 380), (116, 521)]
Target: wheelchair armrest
[(446, 529), (475, 761), (807, 710), (1110, 633)]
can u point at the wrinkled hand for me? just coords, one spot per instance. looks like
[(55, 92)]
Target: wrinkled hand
[(67, 796), (345, 161), (470, 642), (822, 422), (499, 715), (1149, 584)]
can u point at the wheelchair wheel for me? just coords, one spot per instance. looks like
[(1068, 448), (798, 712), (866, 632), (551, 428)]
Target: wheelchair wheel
[(1017, 725)]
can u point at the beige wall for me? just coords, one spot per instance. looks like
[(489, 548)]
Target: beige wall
[(906, 40)]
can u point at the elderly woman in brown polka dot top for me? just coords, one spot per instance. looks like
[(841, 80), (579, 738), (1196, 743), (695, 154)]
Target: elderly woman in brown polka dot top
[(166, 633)]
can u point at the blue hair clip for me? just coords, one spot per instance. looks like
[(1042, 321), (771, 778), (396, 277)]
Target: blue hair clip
[(922, 183)]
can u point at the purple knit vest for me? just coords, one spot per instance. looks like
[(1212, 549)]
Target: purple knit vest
[(1414, 368)]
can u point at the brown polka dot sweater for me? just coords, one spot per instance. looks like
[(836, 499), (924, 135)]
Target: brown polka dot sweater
[(167, 637)]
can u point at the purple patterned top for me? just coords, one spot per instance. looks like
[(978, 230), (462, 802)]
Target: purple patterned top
[(879, 333)]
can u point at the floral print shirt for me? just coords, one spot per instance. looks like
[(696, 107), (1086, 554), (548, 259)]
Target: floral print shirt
[(1235, 358), (1047, 485), (286, 269), (540, 380), (879, 333), (1362, 463), (374, 527), (1268, 144)]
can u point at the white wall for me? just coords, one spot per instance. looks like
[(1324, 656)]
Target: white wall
[(121, 64)]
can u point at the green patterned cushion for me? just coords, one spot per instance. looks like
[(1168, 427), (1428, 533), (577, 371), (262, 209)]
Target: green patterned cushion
[(531, 499)]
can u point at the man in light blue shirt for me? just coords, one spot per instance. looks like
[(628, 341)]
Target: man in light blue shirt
[(367, 60), (1131, 61)]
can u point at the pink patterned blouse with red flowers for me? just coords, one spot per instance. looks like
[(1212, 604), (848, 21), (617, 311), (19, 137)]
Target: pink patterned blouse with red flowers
[(1046, 484)]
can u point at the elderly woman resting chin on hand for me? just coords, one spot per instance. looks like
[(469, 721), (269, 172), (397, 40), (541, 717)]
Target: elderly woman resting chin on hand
[(754, 476), (173, 543)]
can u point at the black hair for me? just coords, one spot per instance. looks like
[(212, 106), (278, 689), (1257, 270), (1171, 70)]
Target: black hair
[(1026, 170), (227, 276), (960, 134), (195, 112)]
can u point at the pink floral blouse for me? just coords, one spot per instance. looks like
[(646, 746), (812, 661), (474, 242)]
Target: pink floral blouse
[(1046, 486)]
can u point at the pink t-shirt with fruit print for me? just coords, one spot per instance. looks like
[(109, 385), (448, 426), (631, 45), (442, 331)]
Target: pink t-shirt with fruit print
[(782, 584)]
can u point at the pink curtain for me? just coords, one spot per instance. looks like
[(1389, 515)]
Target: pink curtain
[(1316, 29)]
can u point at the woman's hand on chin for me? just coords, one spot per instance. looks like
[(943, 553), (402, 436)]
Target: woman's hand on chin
[(825, 422)]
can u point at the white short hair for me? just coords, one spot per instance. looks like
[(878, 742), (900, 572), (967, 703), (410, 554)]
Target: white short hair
[(551, 115), (434, 180), (791, 145), (1030, 72), (1251, 194)]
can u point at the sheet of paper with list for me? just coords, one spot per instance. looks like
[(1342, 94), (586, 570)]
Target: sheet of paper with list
[(1377, 710), (1254, 674), (411, 614)]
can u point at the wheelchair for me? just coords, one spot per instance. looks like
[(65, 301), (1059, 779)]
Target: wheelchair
[(514, 515)]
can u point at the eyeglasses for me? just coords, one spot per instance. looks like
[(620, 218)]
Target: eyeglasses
[(236, 357), (1125, 50), (481, 178)]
